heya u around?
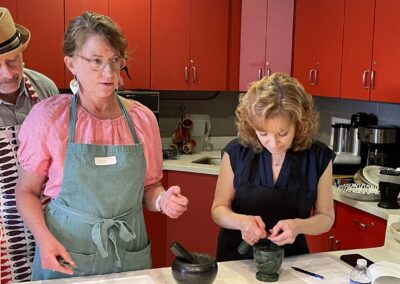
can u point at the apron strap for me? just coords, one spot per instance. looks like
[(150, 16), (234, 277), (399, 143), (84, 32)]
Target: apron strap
[(128, 119), (72, 119), (101, 226)]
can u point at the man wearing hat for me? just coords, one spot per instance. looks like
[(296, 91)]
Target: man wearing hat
[(20, 89)]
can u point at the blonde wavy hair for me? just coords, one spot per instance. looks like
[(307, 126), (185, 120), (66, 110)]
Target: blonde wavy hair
[(278, 94)]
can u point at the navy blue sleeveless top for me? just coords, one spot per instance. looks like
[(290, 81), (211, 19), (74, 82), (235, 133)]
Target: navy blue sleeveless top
[(311, 164), (292, 196)]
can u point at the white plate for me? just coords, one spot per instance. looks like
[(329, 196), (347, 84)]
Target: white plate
[(371, 174)]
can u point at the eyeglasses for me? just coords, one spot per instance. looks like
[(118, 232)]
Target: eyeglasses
[(98, 64)]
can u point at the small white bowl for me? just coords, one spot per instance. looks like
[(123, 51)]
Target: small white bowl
[(395, 228)]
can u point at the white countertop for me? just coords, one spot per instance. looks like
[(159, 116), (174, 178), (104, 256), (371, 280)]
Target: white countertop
[(239, 272), (184, 164)]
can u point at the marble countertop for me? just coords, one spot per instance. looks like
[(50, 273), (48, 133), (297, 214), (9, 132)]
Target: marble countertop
[(239, 272), (184, 164)]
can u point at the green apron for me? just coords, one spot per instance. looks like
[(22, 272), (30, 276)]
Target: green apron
[(98, 214)]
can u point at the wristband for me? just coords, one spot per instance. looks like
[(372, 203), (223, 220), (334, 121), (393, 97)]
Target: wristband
[(158, 202)]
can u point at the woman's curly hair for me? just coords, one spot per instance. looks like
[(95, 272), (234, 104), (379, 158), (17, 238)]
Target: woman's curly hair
[(272, 96)]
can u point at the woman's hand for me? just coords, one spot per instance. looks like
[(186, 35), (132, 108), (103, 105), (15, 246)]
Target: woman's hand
[(173, 203), (284, 232), (253, 229), (50, 248)]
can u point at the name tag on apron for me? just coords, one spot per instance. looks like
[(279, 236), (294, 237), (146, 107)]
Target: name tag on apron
[(105, 161)]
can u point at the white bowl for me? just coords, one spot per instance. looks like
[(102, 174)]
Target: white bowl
[(395, 228)]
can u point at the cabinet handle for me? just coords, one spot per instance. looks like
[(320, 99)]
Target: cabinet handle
[(337, 245), (268, 72), (331, 242), (313, 77), (364, 79), (372, 79), (362, 225), (310, 77), (260, 73), (186, 74), (194, 80)]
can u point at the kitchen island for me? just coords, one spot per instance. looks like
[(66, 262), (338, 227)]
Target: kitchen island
[(239, 272)]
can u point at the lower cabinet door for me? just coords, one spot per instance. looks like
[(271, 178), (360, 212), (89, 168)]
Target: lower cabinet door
[(195, 229)]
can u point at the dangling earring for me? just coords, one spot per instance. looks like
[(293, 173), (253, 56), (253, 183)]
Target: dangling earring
[(74, 85)]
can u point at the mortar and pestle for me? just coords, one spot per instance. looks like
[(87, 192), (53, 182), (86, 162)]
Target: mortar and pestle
[(268, 257), (193, 268)]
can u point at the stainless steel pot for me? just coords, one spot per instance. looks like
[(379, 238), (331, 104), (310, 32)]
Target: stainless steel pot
[(345, 139)]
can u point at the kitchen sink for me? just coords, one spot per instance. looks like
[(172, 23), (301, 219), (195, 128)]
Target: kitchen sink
[(215, 161)]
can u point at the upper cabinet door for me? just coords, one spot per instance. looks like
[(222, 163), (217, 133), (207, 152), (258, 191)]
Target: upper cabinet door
[(266, 42), (75, 8), (386, 54), (305, 43), (208, 44), (11, 5), (189, 44), (318, 45), (170, 44), (134, 19), (357, 49), (45, 49), (253, 41), (330, 44), (278, 53)]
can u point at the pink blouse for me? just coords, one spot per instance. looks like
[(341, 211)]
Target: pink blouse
[(43, 138)]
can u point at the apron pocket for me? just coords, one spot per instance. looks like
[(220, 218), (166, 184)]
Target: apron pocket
[(84, 262), (137, 260)]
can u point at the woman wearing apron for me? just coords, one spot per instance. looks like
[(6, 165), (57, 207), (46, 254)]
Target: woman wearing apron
[(101, 157), (273, 175)]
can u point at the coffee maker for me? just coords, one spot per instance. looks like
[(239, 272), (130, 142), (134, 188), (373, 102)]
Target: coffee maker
[(389, 188), (380, 145), (346, 143)]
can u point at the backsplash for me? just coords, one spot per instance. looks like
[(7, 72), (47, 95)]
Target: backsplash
[(328, 107), (221, 108)]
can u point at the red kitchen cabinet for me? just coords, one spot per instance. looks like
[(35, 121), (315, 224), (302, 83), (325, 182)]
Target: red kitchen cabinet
[(357, 49), (353, 229), (189, 44), (195, 229), (46, 40), (75, 8), (321, 243), (134, 20), (156, 226), (386, 56), (266, 39), (370, 53), (318, 39), (11, 5), (357, 229)]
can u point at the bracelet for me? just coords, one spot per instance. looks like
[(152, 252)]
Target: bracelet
[(158, 202)]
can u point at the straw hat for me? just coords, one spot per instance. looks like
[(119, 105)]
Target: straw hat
[(13, 38)]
